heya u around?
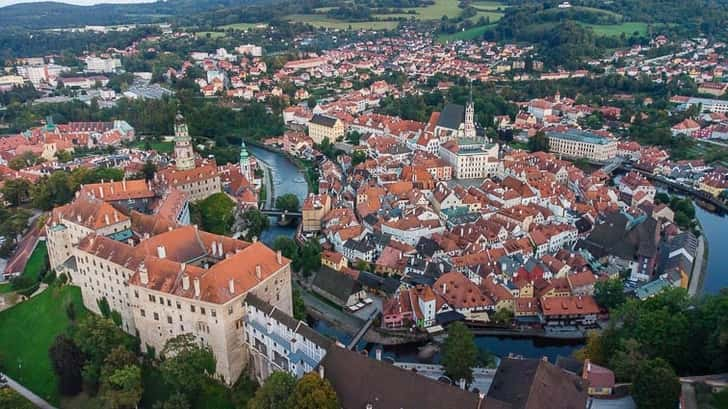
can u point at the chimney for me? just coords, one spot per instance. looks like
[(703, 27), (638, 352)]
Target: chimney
[(161, 252), (130, 242), (462, 384), (255, 239), (214, 249), (279, 257), (116, 216), (143, 274), (185, 282), (321, 371), (219, 249), (258, 272), (197, 287), (106, 220), (101, 192), (379, 354), (444, 288), (123, 184), (231, 286)]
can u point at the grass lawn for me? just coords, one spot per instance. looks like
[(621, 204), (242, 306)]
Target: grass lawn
[(159, 146), (5, 288), (25, 355), (440, 8), (36, 260), (213, 34), (492, 16), (468, 34), (242, 26), (488, 5), (618, 29), (326, 22)]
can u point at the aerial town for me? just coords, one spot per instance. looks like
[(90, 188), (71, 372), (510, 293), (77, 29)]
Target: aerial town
[(291, 215)]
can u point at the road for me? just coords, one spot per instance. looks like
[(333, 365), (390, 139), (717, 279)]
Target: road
[(27, 394), (697, 274), (267, 177)]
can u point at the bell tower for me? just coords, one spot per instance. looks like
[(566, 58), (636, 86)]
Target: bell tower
[(184, 155)]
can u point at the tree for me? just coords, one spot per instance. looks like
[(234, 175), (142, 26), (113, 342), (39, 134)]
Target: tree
[(16, 191), (358, 157), (459, 353), (610, 293), (23, 161), (148, 170), (275, 392), (299, 307), (176, 401), (122, 388), (96, 337), (626, 361), (593, 350), (67, 361), (655, 385), (538, 142), (503, 316), (255, 223), (64, 156), (309, 258), (187, 365), (287, 202), (216, 213), (312, 392), (287, 246)]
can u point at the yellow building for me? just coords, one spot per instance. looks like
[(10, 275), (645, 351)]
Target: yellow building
[(321, 127), (313, 211)]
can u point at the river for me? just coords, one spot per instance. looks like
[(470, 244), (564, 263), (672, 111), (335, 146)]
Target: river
[(715, 230), (287, 178)]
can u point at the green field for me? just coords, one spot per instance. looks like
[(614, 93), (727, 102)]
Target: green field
[(5, 288), (24, 354), (488, 5), (440, 8), (326, 22), (213, 34), (159, 146), (242, 26), (469, 34), (492, 16), (617, 29), (36, 261)]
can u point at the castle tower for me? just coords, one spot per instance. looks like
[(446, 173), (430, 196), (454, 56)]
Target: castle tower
[(469, 124), (183, 154), (245, 169)]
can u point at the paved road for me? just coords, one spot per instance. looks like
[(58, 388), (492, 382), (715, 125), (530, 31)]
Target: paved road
[(688, 398), (696, 276), (27, 394)]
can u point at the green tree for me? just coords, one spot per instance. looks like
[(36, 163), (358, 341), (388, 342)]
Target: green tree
[(503, 316), (176, 401), (64, 156), (309, 259), (610, 293), (16, 191), (655, 386), (287, 246), (538, 142), (122, 388), (255, 223), (23, 161), (358, 157), (626, 360), (67, 361), (299, 307), (96, 337), (459, 353), (275, 392), (217, 213), (187, 365), (148, 170), (288, 202), (312, 392)]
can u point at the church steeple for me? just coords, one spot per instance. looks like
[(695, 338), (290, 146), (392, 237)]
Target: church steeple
[(245, 169), (469, 123), (184, 155)]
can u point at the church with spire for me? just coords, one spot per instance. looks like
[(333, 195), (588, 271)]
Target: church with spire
[(458, 122)]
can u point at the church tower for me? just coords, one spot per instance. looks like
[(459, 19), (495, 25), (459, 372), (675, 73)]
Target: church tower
[(469, 124), (183, 154), (245, 163)]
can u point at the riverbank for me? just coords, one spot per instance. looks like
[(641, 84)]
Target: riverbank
[(527, 333)]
